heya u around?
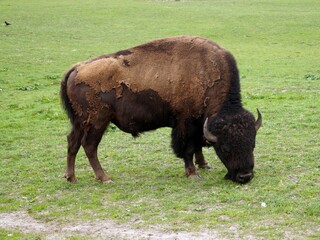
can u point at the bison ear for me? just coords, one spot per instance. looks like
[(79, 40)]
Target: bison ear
[(259, 121), (207, 134)]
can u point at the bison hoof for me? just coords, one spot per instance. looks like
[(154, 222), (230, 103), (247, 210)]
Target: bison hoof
[(105, 179), (206, 166), (71, 179), (108, 181), (189, 172)]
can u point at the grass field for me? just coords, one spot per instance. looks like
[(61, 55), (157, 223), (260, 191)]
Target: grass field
[(276, 44)]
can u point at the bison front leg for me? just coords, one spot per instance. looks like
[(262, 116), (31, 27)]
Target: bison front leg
[(184, 148), (190, 169), (202, 163), (90, 144)]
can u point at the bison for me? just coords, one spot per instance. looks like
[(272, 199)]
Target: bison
[(189, 84)]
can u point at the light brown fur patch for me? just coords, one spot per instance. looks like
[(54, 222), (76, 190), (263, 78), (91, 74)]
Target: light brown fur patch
[(187, 72)]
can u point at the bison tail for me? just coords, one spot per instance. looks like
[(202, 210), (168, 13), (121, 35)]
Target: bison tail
[(64, 96)]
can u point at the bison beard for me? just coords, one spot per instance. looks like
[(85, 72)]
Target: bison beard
[(173, 82)]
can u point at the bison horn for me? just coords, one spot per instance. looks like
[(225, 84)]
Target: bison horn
[(207, 134), (259, 120)]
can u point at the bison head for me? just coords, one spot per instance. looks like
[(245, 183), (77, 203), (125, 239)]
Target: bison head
[(233, 135)]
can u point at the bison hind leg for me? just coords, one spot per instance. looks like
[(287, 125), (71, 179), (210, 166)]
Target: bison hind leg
[(90, 142), (74, 143)]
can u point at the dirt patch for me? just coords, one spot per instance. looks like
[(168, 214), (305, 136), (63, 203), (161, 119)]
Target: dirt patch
[(106, 229)]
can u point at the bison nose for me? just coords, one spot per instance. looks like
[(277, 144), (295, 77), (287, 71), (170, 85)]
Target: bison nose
[(244, 178)]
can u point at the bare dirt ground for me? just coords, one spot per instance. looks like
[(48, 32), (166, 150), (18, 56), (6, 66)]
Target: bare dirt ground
[(23, 222)]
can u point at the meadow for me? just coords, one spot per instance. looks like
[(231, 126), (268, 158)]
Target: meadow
[(276, 44)]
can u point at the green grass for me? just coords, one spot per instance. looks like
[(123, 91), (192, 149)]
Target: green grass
[(276, 44)]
